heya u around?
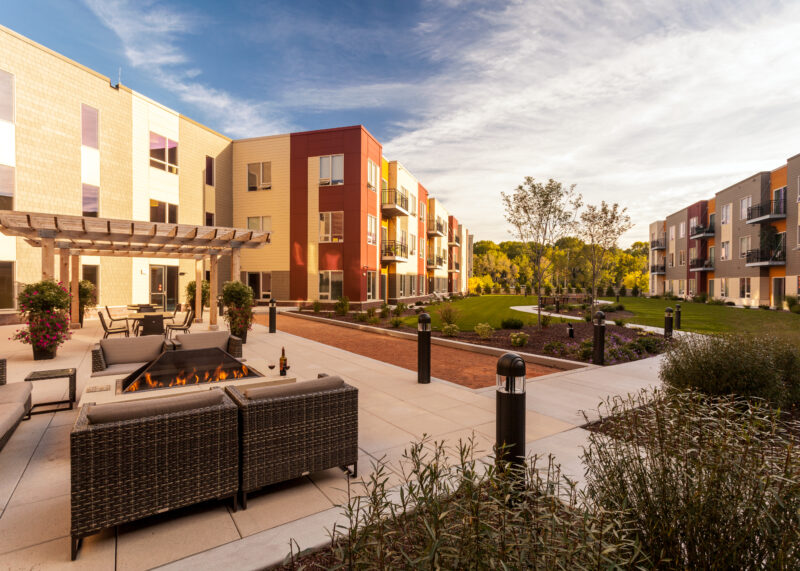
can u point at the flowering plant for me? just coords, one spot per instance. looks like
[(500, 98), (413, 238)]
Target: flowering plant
[(46, 330), (239, 319), (46, 295)]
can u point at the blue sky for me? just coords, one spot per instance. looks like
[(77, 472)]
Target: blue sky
[(651, 103)]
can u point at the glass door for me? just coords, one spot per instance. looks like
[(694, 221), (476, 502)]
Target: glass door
[(254, 281), (778, 292), (158, 289)]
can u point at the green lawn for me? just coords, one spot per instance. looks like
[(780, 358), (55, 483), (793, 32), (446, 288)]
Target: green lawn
[(491, 309), (704, 318)]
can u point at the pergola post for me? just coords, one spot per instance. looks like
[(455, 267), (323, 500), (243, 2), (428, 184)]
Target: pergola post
[(198, 291), (236, 264), (212, 311), (74, 306), (48, 254), (63, 257)]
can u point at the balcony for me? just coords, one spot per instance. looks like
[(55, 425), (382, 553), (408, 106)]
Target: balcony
[(771, 210), (437, 227), (658, 269), (766, 257), (658, 244), (394, 203), (454, 239), (454, 267), (698, 232), (435, 262), (393, 251), (701, 265)]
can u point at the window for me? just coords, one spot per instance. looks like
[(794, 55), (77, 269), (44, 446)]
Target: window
[(681, 287), (682, 232), (163, 153), (209, 171), (421, 284), (692, 286), (91, 200), (259, 223), (330, 284), (672, 232), (725, 251), (422, 210), (412, 203), (682, 259), (6, 187), (744, 288), (210, 219), (163, 212), (744, 204), (331, 170), (331, 227), (421, 248), (259, 176), (693, 221), (711, 253), (744, 245), (401, 283), (6, 282), (725, 215), (372, 229), (372, 285), (403, 237), (412, 244), (373, 175), (672, 259), (89, 127), (723, 287), (91, 273), (6, 96)]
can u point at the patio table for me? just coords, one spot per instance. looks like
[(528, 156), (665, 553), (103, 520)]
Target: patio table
[(53, 374), (138, 316)]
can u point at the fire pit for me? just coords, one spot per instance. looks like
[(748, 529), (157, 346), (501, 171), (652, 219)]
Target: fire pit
[(187, 367)]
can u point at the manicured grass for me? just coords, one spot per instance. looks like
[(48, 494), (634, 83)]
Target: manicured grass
[(491, 309), (704, 318)]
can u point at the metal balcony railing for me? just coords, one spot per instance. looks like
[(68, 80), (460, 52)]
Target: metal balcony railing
[(455, 266), (701, 264), (393, 197), (437, 226), (771, 209), (766, 256), (394, 249), (658, 269), (658, 244), (436, 262), (701, 231)]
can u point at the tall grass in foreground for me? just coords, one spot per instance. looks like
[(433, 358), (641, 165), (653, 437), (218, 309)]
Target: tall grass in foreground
[(708, 483)]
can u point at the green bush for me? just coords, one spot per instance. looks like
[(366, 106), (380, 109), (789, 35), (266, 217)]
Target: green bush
[(610, 291), (790, 300), (238, 300), (635, 291), (396, 322), (399, 309), (623, 291), (317, 306), (374, 320), (484, 330), (555, 348), (708, 483), (619, 307), (234, 294), (450, 330), (42, 297), (546, 320), (206, 296), (342, 305), (517, 289), (700, 298), (518, 339), (715, 302), (506, 289), (384, 310), (548, 289), (731, 303), (512, 323), (794, 308), (587, 317), (619, 322), (370, 312), (762, 366), (361, 317), (448, 313)]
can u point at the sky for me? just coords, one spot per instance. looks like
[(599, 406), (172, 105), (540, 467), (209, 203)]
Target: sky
[(653, 104)]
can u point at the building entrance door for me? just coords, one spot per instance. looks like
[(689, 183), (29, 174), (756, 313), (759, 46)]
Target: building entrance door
[(164, 287), (778, 292)]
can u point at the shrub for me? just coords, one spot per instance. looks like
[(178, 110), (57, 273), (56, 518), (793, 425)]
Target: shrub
[(448, 313), (374, 320), (484, 330), (46, 330), (548, 290), (555, 348), (361, 316), (763, 307), (623, 291), (43, 296), (619, 307), (399, 309), (370, 312), (517, 289), (730, 303), (396, 322), (546, 320), (418, 310), (384, 310), (87, 296), (206, 294), (511, 323), (635, 291), (238, 300), (316, 306), (519, 339), (790, 300), (649, 343), (709, 483), (506, 289), (619, 322), (762, 366), (795, 308), (587, 317), (610, 291), (342, 305), (715, 302), (700, 298), (450, 330)]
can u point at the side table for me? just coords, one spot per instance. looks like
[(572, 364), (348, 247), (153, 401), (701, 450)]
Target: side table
[(54, 374)]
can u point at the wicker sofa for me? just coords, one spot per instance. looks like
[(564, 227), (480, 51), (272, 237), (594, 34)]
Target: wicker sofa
[(124, 355), (15, 404), (134, 459), (208, 339), (287, 431)]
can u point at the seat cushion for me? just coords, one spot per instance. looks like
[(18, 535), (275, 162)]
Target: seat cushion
[(119, 369), (10, 415), (205, 340), (118, 411), (131, 349), (15, 393), (295, 389)]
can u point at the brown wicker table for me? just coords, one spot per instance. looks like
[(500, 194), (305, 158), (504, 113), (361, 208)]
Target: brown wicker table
[(53, 374)]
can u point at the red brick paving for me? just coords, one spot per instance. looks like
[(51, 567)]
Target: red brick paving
[(473, 370)]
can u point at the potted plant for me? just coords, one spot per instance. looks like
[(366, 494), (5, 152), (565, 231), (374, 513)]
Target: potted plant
[(205, 300), (87, 298), (238, 300), (44, 306)]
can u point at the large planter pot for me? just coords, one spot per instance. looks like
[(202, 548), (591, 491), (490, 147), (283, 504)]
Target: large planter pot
[(40, 354), (241, 335)]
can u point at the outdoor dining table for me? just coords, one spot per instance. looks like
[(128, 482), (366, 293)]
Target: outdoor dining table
[(137, 316)]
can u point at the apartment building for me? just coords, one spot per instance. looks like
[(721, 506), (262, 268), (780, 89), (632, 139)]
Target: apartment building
[(342, 219), (741, 245)]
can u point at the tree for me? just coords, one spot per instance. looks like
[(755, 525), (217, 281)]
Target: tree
[(540, 215), (601, 227)]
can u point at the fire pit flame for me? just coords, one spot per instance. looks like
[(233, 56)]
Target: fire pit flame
[(222, 372)]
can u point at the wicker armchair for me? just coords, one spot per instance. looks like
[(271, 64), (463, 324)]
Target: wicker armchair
[(129, 469), (285, 437)]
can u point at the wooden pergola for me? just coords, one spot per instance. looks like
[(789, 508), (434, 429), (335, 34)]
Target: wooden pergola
[(76, 236)]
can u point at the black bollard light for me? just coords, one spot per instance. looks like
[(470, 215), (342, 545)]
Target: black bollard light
[(219, 305), (570, 331), (510, 421), (668, 323), (677, 316), (424, 349), (273, 315), (599, 345)]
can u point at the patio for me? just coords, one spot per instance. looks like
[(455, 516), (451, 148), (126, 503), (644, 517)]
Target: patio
[(393, 410)]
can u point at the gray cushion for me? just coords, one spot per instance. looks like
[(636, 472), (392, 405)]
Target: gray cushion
[(119, 369), (15, 393), (204, 340), (295, 389), (10, 415), (131, 349), (115, 412)]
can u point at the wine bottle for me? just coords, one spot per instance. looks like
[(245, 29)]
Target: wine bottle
[(283, 362)]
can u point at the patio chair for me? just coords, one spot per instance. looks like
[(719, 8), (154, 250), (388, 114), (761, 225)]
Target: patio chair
[(112, 319), (152, 325), (185, 326), (174, 315), (112, 330)]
